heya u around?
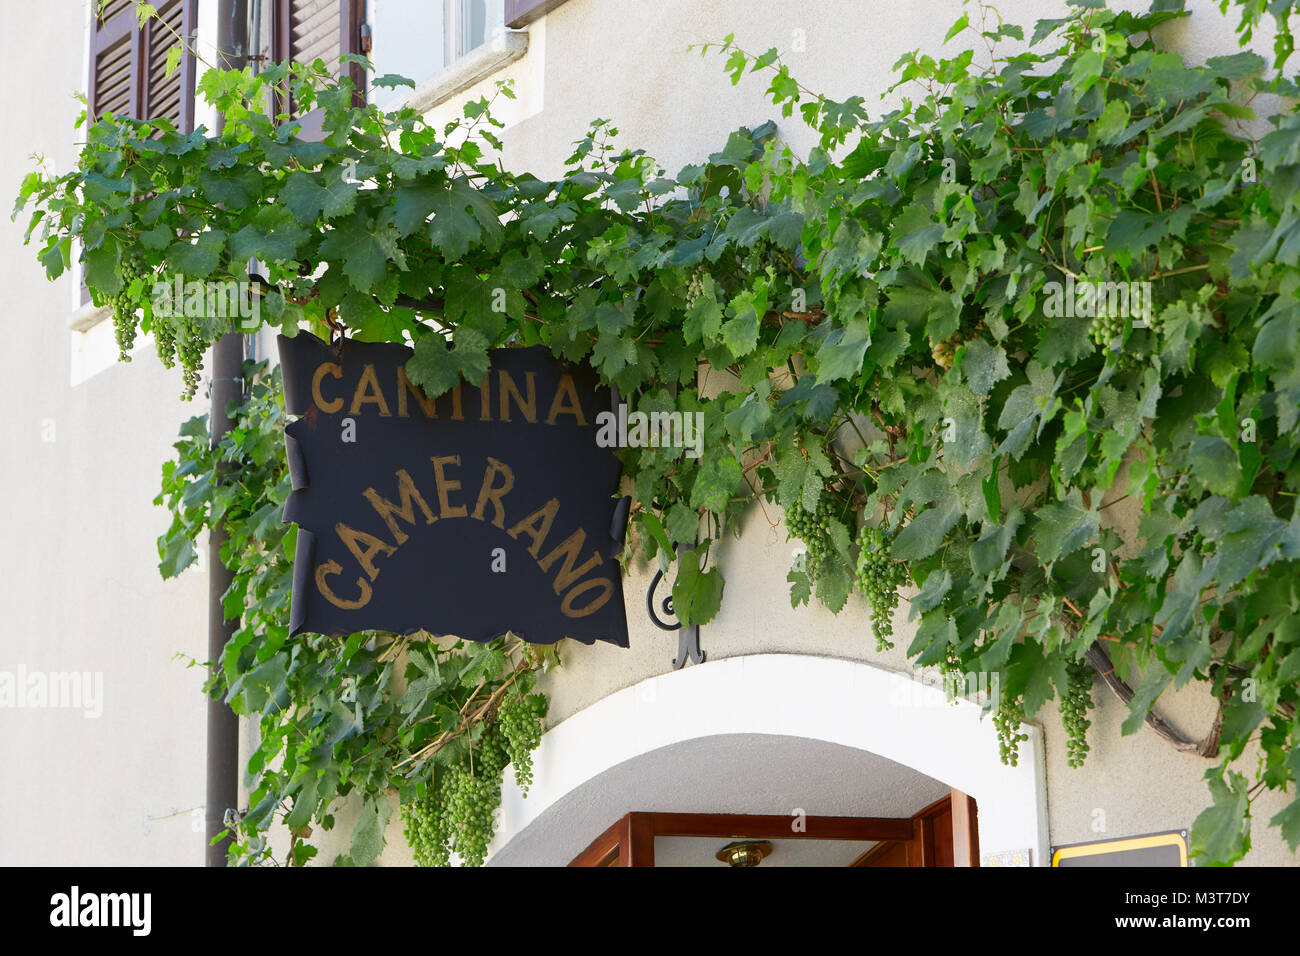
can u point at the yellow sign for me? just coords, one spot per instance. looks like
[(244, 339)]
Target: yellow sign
[(1152, 849)]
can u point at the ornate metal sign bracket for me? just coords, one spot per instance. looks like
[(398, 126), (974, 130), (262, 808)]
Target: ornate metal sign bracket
[(688, 636)]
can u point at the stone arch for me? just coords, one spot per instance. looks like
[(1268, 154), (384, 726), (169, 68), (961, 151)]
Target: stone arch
[(844, 702)]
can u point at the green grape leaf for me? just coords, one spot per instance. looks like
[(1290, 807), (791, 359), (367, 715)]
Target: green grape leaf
[(1222, 831), (715, 482), (1064, 526), (368, 834), (197, 259), (1154, 680), (313, 196), (833, 587), (925, 533), (697, 595), (841, 353), (703, 320)]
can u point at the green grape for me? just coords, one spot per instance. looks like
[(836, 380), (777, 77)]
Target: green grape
[(950, 668), (191, 343), (425, 831), (945, 353), (1008, 718), (1106, 328), (879, 577), (164, 340), (123, 304), (1075, 703), (457, 815), (1156, 321), (813, 529), (470, 806), (694, 288), (491, 756), (520, 720)]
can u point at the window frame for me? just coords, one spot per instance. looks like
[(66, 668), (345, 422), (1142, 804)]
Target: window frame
[(453, 35)]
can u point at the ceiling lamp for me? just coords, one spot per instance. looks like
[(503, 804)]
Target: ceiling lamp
[(745, 852)]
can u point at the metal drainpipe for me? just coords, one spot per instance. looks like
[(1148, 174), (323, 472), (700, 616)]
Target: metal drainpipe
[(227, 386), (255, 60)]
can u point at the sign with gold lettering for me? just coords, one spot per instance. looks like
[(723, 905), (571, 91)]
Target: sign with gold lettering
[(489, 509)]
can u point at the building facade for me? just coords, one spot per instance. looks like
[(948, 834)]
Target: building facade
[(791, 714)]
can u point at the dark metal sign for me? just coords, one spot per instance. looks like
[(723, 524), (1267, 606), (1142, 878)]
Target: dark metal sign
[(489, 509)]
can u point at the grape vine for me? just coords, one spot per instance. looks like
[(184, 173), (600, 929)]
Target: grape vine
[(457, 814), (439, 743)]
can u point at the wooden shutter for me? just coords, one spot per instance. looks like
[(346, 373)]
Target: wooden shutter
[(170, 97), (128, 63), (328, 29), (114, 61)]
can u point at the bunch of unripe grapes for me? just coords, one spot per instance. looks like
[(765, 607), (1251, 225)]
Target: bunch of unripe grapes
[(945, 353), (185, 341), (1106, 328), (425, 831), (457, 814), (1008, 718), (520, 722), (1075, 703), (123, 305), (164, 340), (694, 288), (814, 530), (191, 343), (879, 577), (491, 755), (471, 800)]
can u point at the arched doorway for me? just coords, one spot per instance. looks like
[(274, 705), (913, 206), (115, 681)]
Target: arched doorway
[(769, 734)]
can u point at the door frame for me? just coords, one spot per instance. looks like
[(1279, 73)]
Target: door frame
[(630, 841)]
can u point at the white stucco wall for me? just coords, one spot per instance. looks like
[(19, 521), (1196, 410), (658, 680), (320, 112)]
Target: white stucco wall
[(78, 564)]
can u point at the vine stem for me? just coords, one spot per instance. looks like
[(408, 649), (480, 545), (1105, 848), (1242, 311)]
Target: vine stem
[(1102, 664), (759, 460), (1178, 272)]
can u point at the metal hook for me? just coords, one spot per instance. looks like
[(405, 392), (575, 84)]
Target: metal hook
[(688, 636)]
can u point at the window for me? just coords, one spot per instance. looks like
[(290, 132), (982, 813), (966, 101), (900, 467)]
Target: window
[(468, 24), (420, 38)]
